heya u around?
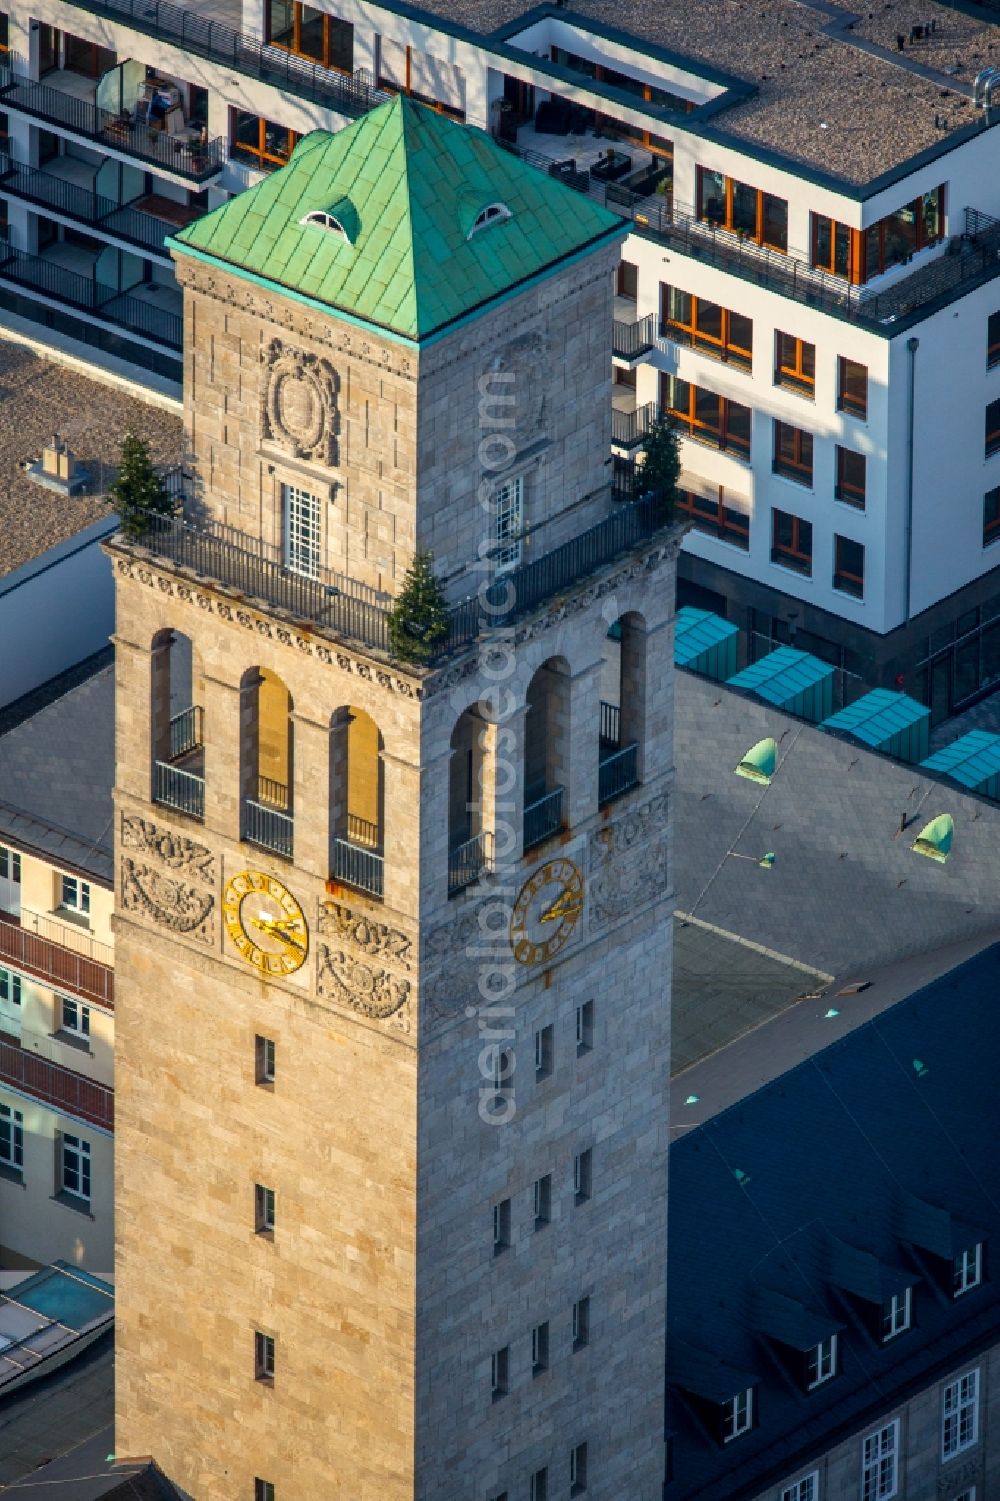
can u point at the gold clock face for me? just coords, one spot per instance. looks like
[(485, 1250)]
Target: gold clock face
[(546, 911), (265, 923)]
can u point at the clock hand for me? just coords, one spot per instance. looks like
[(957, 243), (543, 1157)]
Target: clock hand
[(563, 906), (275, 930)]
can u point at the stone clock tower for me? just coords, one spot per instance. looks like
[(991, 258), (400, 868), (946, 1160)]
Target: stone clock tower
[(393, 942)]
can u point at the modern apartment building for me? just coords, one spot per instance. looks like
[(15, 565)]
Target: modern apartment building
[(808, 285), (57, 983)]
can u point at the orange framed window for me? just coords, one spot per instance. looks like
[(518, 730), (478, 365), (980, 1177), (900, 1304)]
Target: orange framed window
[(793, 453), (4, 32), (993, 428), (715, 518), (832, 246), (993, 341), (258, 141), (991, 516), (310, 33), (715, 330), (901, 234), (617, 80), (706, 417), (794, 364), (791, 542), (849, 566), (850, 485), (852, 387), (82, 56), (743, 210)]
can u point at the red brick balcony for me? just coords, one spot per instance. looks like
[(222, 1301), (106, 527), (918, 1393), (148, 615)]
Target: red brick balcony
[(54, 1085), (33, 945)]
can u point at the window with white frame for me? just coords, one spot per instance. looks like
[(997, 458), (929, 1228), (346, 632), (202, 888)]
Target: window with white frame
[(821, 1362), (75, 894), (737, 1415), (302, 531), (544, 1049), (538, 1489), (880, 1463), (508, 505), (74, 1017), (960, 1415), (10, 864), (806, 1489), (263, 1209), (10, 881), (263, 1356), (585, 1027), (264, 1059), (10, 987), (896, 1314), (499, 1372), (967, 1270), (75, 1176), (578, 1469), (501, 1226), (11, 1137)]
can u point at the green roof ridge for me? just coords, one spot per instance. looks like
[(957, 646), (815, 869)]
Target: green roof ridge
[(406, 184)]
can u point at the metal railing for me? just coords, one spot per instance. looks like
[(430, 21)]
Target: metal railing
[(121, 132), (176, 788), (59, 954), (272, 793), (617, 773), (186, 732), (268, 827), (54, 1085), (349, 95), (630, 341), (363, 832), (629, 428), (542, 817), (469, 861), (85, 207), (66, 286), (515, 593), (364, 869), (611, 723)]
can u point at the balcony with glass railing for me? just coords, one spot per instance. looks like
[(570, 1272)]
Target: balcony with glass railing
[(60, 1088)]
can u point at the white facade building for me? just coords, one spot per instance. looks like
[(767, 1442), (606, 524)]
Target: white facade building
[(823, 184)]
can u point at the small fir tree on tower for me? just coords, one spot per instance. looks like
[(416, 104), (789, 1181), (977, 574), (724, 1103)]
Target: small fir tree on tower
[(661, 465), (138, 493), (418, 621)]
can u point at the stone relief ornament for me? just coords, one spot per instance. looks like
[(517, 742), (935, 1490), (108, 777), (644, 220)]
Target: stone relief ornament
[(183, 909), (176, 852), (629, 862), (299, 403), (349, 942)]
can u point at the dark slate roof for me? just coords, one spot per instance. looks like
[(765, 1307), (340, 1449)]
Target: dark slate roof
[(88, 1473), (57, 770), (779, 1234), (846, 892)]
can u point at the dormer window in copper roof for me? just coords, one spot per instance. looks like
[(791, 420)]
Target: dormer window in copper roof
[(493, 213), (326, 220)]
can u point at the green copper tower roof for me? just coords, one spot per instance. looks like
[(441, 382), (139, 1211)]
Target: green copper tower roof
[(404, 187)]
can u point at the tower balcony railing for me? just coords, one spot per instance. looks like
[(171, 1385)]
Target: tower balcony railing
[(542, 816), (205, 551), (469, 861), (272, 794), (122, 220), (174, 787), (363, 832), (63, 285), (617, 773), (360, 867), (268, 827), (186, 732), (349, 94), (61, 1088), (59, 955), (611, 724), (121, 132)]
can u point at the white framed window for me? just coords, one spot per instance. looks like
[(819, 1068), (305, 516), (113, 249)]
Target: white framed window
[(538, 1490), (578, 1469), (821, 1362), (263, 1208), (540, 1348), (960, 1415), (581, 1323), (583, 1175), (264, 1059), (75, 894), (263, 1490), (806, 1489), (501, 1226), (544, 1049), (585, 1027), (263, 1356), (896, 1314), (301, 513), (74, 1017), (10, 865), (508, 505), (967, 1270), (737, 1415), (542, 1200), (880, 1463), (499, 1372), (503, 1068), (11, 1137), (10, 987), (75, 1176)]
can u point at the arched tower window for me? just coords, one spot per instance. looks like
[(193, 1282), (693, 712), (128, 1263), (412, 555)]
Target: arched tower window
[(623, 708), (178, 748), (266, 761), (357, 801), (546, 751)]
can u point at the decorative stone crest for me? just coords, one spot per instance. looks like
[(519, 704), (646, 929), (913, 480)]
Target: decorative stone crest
[(299, 403), (629, 862), (343, 971), (176, 852), (172, 904)]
